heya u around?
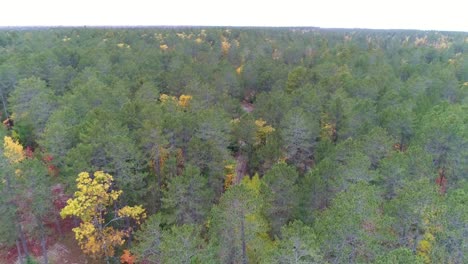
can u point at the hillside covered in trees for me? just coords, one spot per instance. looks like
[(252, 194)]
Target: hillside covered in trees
[(233, 145)]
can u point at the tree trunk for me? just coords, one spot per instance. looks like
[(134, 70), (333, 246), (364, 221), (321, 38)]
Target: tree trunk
[(18, 248), (57, 224), (3, 102), (414, 247), (244, 247), (43, 242), (157, 167), (127, 226), (23, 241), (76, 222), (401, 142), (241, 167)]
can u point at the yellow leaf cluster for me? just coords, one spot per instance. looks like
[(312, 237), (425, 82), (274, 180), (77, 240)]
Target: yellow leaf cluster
[(425, 247), (263, 131), (420, 41), (225, 46), (181, 35), (93, 196), (184, 100), (98, 242), (164, 98), (235, 121), (276, 55), (163, 47), (135, 212), (328, 129), (13, 150), (240, 69), (260, 123), (112, 238), (203, 33), (90, 203), (252, 184), (86, 229), (159, 36), (123, 45), (229, 172), (163, 156), (282, 160)]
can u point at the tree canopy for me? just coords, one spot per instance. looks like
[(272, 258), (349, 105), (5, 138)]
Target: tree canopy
[(234, 145)]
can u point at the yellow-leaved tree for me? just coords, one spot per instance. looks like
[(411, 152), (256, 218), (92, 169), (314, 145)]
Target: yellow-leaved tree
[(13, 150), (96, 235), (263, 130), (183, 101)]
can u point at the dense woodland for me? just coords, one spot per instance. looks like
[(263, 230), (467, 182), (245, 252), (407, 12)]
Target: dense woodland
[(234, 145)]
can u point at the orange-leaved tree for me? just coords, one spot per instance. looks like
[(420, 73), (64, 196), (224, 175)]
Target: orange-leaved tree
[(96, 234)]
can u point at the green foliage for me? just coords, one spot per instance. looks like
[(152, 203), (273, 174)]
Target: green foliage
[(208, 147), (300, 131), (32, 103), (176, 244), (281, 196), (36, 179), (8, 209), (377, 145), (105, 144), (444, 134), (353, 228), (148, 237), (418, 209), (187, 198), (296, 79), (393, 172), (298, 244), (450, 245), (181, 244), (359, 134), (30, 260), (398, 121), (272, 106), (399, 256), (236, 225)]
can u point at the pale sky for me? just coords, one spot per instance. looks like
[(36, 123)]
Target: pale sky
[(378, 14)]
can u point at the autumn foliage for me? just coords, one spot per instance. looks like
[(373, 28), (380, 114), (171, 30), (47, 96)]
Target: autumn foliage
[(95, 234), (13, 150), (229, 171), (263, 130), (183, 100), (127, 257)]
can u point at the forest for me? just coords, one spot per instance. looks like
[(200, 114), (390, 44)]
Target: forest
[(233, 145)]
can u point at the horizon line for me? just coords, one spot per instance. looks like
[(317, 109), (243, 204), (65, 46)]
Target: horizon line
[(220, 26)]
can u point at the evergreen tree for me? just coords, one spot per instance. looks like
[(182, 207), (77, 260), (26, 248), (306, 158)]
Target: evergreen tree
[(187, 198)]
